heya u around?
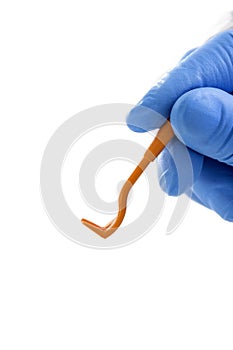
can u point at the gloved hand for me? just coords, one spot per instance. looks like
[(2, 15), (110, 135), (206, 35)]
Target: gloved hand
[(196, 95)]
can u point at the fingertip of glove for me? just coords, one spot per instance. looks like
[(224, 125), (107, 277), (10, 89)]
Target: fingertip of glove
[(190, 117), (142, 118)]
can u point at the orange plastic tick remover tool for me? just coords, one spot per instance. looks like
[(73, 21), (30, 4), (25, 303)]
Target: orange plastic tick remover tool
[(162, 138)]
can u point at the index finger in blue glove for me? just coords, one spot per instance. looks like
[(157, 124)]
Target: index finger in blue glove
[(210, 65)]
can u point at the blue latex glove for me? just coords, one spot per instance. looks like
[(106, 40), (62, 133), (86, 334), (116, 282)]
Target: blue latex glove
[(196, 95)]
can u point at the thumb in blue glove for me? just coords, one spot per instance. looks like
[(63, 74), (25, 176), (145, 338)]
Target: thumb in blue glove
[(196, 95)]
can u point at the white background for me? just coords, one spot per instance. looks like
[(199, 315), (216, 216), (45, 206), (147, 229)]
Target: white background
[(162, 292)]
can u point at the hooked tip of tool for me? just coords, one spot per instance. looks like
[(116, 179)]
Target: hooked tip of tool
[(90, 224), (101, 231)]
